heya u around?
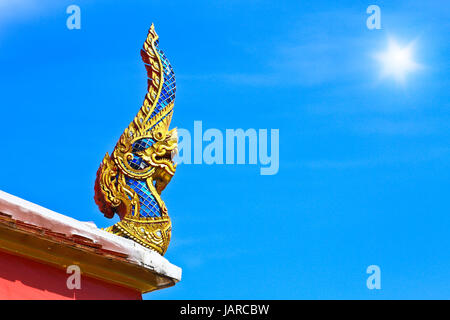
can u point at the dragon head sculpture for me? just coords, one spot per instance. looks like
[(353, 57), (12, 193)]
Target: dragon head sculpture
[(130, 181)]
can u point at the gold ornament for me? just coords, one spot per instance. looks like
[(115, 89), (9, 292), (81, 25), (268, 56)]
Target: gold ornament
[(130, 181)]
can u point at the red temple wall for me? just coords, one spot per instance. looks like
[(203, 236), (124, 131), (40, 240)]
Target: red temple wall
[(25, 279)]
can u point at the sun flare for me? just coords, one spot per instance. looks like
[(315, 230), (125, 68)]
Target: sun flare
[(397, 61)]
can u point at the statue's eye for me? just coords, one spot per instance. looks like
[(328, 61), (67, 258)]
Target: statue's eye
[(159, 135)]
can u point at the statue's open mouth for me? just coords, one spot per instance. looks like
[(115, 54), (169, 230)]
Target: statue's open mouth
[(168, 156)]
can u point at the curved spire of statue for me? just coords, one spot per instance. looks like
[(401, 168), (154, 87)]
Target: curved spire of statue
[(130, 181)]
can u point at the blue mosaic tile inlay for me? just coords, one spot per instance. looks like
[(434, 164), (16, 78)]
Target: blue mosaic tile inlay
[(149, 206)]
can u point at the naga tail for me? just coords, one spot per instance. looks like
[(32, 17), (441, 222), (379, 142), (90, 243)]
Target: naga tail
[(130, 181)]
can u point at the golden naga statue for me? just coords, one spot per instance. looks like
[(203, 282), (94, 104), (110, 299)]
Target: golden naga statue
[(130, 181)]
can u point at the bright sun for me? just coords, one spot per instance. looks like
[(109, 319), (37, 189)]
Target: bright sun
[(397, 61)]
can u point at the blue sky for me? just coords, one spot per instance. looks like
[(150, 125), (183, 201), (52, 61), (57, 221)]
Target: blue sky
[(364, 161)]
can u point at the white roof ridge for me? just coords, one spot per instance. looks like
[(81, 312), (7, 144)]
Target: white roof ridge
[(37, 215)]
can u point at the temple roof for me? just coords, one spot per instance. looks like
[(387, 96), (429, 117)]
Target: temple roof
[(29, 230)]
